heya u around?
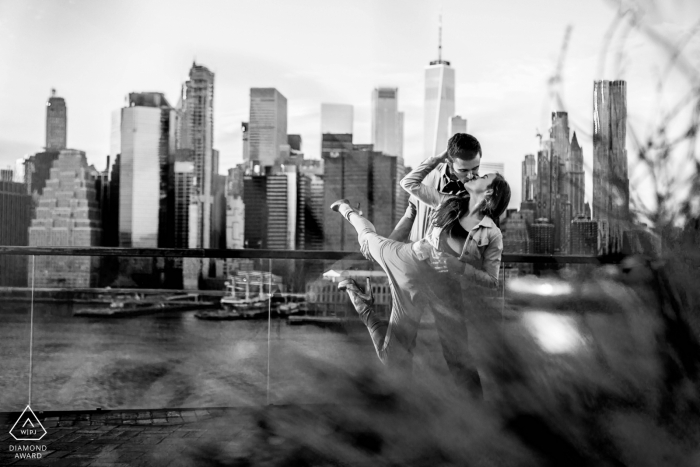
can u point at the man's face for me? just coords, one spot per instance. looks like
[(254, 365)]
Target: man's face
[(465, 170)]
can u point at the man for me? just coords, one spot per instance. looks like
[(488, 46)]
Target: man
[(462, 165), (448, 177)]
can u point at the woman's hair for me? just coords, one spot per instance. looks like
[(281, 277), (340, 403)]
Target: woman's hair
[(493, 205)]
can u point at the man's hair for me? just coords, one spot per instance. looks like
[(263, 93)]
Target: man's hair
[(463, 146)]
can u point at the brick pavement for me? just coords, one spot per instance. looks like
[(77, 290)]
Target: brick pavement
[(129, 438)]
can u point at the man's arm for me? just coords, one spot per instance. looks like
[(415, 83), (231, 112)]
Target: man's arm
[(402, 231)]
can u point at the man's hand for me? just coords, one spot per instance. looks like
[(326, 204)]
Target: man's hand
[(364, 249)]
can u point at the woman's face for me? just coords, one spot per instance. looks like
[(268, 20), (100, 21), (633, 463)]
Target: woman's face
[(479, 185)]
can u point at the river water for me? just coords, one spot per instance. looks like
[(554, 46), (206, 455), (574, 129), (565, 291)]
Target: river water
[(172, 360)]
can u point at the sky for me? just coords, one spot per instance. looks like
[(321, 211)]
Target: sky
[(326, 51)]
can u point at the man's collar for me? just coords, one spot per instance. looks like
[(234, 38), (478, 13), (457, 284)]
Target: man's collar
[(445, 171)]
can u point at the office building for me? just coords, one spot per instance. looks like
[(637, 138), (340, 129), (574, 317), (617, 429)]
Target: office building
[(67, 215), (184, 174), (147, 143), (542, 237), (281, 198), (516, 238), (457, 125), (337, 119), (385, 120), (19, 170), (335, 145), (256, 215), (529, 178), (387, 138), (196, 132), (365, 177), (246, 141), (577, 179), (267, 128), (584, 237), (218, 221), (439, 104), (15, 204), (110, 230), (37, 169), (235, 208), (547, 181), (315, 212), (109, 218), (56, 123), (610, 179)]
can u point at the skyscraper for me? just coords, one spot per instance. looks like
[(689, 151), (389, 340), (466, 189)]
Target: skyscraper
[(439, 102), (336, 119), (246, 142), (281, 197), (529, 178), (147, 144), (584, 237), (67, 216), (577, 179), (196, 131), (385, 120), (15, 205), (235, 209), (457, 125), (516, 239), (56, 123), (256, 215), (387, 136), (610, 180), (267, 127), (547, 181), (542, 237), (363, 176), (184, 173)]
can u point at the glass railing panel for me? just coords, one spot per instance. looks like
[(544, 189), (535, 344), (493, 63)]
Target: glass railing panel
[(135, 336), (320, 346), (15, 331)]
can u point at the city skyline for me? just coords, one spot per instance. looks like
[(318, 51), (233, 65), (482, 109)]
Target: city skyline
[(505, 86)]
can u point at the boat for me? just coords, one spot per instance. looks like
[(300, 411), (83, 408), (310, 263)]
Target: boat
[(247, 296), (140, 305), (292, 304)]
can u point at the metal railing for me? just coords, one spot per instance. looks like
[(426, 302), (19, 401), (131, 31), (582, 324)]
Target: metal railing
[(269, 254)]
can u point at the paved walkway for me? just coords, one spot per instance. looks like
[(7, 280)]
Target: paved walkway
[(132, 438)]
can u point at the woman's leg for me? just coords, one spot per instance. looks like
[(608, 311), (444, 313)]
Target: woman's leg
[(393, 342), (361, 224)]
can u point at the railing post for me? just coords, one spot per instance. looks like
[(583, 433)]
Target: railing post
[(31, 334), (269, 326)]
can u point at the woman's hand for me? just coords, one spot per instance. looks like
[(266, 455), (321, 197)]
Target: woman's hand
[(442, 157)]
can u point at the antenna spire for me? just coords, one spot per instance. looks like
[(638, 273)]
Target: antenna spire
[(440, 38)]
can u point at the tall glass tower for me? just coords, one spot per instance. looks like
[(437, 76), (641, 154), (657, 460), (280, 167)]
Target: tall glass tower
[(196, 132), (439, 102), (147, 143), (385, 120)]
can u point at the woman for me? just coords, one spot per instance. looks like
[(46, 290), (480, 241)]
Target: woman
[(464, 244)]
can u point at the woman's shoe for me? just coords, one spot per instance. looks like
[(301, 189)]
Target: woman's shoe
[(336, 206), (343, 207), (361, 300)]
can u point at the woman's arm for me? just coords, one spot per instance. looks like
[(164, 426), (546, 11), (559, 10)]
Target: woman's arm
[(412, 182)]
